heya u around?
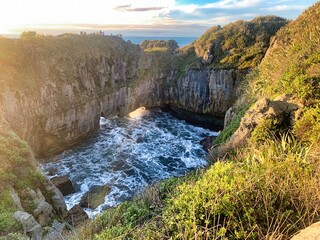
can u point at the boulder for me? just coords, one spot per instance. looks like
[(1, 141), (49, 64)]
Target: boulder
[(282, 108), (77, 215), (139, 113), (29, 225), (310, 233), (52, 171), (94, 197), (64, 184)]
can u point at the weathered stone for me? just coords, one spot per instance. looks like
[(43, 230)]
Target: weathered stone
[(64, 184), (43, 213), (310, 233), (56, 198), (29, 225), (77, 215), (282, 108), (42, 210), (55, 231), (94, 197), (16, 200)]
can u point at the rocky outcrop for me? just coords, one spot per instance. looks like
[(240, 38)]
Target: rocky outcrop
[(283, 109), (56, 230), (57, 199), (64, 184), (29, 225)]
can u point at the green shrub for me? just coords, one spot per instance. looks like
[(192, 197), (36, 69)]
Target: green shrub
[(7, 222), (307, 128), (263, 194)]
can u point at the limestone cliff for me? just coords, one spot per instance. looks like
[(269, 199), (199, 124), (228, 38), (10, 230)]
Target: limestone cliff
[(209, 91), (54, 88)]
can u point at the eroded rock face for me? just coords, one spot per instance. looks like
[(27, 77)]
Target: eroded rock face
[(29, 225), (210, 91), (57, 199), (42, 211)]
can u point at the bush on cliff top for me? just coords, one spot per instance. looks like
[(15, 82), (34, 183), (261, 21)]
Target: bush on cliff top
[(239, 45), (292, 64)]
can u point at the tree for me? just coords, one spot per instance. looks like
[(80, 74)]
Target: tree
[(28, 35)]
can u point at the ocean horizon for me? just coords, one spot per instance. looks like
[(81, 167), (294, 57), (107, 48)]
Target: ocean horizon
[(182, 41)]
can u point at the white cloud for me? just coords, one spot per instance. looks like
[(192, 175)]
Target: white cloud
[(229, 4), (280, 8)]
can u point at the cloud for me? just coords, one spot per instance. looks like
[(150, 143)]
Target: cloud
[(168, 28), (128, 8), (280, 8), (229, 4)]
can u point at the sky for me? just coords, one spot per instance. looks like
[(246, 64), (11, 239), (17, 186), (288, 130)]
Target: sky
[(137, 17)]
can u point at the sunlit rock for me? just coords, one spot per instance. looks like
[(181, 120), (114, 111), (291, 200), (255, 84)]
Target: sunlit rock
[(139, 113)]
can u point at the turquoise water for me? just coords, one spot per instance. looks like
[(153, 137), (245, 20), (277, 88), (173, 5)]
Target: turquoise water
[(182, 41)]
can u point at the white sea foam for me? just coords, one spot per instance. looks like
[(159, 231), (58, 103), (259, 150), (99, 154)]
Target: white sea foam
[(129, 155)]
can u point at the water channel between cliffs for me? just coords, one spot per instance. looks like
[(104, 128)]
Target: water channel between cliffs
[(130, 155)]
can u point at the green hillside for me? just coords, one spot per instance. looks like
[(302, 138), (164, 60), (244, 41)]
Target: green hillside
[(241, 44)]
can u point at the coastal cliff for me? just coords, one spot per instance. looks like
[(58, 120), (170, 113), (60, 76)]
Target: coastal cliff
[(57, 100), (53, 89)]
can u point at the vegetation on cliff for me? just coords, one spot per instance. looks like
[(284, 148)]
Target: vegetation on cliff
[(18, 171), (267, 189), (241, 44)]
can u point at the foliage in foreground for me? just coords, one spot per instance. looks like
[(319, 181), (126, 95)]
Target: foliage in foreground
[(270, 193)]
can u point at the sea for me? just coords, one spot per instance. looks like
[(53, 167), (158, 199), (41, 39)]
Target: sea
[(182, 41), (128, 155)]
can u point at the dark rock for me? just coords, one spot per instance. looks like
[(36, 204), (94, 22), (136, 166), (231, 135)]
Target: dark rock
[(64, 184), (52, 171), (77, 215), (208, 121), (94, 197), (207, 142)]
